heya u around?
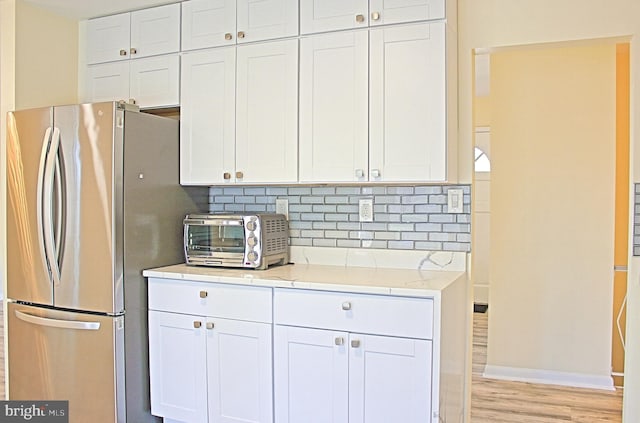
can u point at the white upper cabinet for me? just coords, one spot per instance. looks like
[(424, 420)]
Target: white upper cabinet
[(108, 82), (383, 12), (334, 107), (155, 31), (208, 23), (331, 15), (108, 38), (207, 116), (267, 112), (213, 23), (136, 34), (239, 114), (408, 103), (154, 81)]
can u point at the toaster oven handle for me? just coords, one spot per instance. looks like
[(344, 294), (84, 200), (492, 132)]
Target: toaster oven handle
[(213, 222)]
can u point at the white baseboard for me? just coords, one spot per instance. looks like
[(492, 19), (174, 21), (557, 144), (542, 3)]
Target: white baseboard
[(577, 380)]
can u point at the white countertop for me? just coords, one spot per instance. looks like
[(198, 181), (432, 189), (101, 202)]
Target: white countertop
[(405, 282)]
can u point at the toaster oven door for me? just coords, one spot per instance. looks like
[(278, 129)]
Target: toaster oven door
[(214, 242)]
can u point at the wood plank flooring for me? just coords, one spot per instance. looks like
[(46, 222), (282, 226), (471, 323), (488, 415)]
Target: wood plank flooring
[(496, 401)]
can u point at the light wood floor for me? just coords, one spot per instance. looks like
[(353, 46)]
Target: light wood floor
[(495, 401)]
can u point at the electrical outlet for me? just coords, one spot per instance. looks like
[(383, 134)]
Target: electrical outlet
[(365, 208), (282, 206), (455, 201)]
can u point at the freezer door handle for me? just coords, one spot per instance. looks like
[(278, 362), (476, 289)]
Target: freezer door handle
[(47, 206), (55, 323)]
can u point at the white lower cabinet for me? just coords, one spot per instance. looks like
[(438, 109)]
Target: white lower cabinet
[(328, 373), (327, 376), (234, 353), (205, 368)]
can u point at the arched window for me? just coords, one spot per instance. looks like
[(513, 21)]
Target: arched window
[(482, 163)]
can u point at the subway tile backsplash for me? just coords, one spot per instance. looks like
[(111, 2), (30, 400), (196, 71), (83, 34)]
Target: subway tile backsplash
[(404, 217)]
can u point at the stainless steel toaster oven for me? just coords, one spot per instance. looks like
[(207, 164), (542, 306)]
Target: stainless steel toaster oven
[(253, 241)]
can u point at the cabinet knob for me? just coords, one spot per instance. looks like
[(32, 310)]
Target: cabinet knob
[(123, 52), (203, 294), (240, 34), (359, 18), (375, 173), (210, 325), (355, 343), (359, 173), (197, 324), (339, 340), (346, 305), (239, 175), (375, 16), (226, 176), (228, 36), (133, 51)]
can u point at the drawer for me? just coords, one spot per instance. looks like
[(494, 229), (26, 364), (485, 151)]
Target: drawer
[(240, 302), (373, 314)]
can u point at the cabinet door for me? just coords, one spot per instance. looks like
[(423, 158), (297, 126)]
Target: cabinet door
[(331, 15), (267, 112), (332, 67), (239, 371), (407, 132), (155, 81), (177, 366), (155, 31), (310, 375), (397, 11), (207, 116), (389, 379), (107, 82), (266, 19), (208, 23), (108, 38)]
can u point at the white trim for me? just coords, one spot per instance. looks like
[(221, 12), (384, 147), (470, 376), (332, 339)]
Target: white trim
[(549, 377)]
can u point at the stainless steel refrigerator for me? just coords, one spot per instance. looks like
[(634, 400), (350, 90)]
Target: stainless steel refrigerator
[(92, 199)]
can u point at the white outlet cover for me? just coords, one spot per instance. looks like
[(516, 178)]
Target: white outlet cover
[(282, 206), (365, 207), (455, 200)]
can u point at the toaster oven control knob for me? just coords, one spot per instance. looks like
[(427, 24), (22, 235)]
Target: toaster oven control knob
[(252, 241), (251, 225), (252, 256)]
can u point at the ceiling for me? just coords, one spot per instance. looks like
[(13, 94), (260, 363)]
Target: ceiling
[(83, 9)]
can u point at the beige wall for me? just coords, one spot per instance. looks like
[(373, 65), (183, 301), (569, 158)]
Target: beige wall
[(7, 102), (46, 58), (552, 198), (497, 23)]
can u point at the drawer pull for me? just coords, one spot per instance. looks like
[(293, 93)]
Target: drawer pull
[(203, 294), (355, 343), (339, 340), (209, 325), (197, 324), (346, 305)]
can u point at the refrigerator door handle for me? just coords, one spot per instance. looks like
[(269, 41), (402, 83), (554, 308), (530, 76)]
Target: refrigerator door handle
[(47, 206), (39, 196), (56, 323)]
